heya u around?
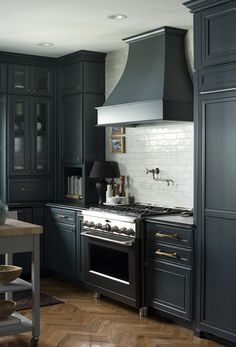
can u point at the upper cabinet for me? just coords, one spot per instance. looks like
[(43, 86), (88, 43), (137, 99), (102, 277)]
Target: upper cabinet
[(71, 79), (215, 35), (83, 77), (29, 80), (3, 78), (30, 140)]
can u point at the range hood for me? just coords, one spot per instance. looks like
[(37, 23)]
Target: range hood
[(155, 84)]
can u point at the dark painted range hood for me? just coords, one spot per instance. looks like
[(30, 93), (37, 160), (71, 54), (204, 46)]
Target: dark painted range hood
[(155, 84)]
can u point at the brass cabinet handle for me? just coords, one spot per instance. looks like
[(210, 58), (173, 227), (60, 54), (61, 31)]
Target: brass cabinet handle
[(170, 236), (62, 216), (27, 189), (166, 254)]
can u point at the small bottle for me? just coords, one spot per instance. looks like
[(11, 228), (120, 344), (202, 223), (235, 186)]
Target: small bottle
[(127, 190), (109, 193), (122, 186)]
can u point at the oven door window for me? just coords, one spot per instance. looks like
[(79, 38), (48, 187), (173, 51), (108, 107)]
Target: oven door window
[(109, 262)]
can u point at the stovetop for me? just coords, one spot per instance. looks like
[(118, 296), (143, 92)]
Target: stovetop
[(136, 210)]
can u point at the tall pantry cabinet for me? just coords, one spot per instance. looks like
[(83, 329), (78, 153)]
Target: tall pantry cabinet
[(215, 166), (81, 88)]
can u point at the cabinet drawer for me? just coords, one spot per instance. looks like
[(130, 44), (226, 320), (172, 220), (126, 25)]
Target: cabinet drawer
[(21, 190), (63, 216), (217, 78), (171, 235), (161, 251), (170, 289)]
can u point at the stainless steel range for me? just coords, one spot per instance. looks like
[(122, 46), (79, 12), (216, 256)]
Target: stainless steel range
[(112, 249)]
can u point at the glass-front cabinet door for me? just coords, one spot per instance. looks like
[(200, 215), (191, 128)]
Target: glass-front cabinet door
[(42, 81), (41, 135), (19, 79), (19, 136)]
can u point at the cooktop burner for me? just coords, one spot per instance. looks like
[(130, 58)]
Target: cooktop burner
[(136, 210)]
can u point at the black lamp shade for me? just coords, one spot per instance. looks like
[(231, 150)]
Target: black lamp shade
[(102, 169)]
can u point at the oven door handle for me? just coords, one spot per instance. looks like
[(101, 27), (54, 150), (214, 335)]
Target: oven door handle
[(128, 243)]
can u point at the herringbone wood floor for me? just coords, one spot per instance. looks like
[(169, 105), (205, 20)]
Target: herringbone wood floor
[(84, 321)]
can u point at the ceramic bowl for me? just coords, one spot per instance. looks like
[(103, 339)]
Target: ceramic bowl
[(9, 273), (7, 307)]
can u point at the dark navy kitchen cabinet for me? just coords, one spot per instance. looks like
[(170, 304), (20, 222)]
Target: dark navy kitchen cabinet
[(30, 80), (79, 248), (3, 78), (33, 215), (30, 145), (94, 81), (215, 165), (72, 126), (169, 270), (30, 135), (217, 215), (81, 89), (60, 241), (71, 79)]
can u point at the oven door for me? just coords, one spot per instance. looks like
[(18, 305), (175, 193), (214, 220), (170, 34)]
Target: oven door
[(110, 266)]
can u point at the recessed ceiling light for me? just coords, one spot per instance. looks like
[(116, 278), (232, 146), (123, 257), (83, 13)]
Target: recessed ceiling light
[(45, 44), (117, 16)]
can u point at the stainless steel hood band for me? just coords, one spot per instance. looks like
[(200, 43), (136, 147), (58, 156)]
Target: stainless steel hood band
[(218, 91), (128, 243), (142, 36)]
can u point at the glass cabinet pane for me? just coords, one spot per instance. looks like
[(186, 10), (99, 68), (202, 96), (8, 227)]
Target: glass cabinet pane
[(19, 123), (41, 136), (19, 79)]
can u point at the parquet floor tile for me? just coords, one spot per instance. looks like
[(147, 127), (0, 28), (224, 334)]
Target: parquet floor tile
[(84, 321)]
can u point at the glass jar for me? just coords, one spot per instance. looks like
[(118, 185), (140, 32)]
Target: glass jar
[(3, 212)]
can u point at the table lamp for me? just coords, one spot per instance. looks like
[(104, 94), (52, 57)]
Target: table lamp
[(102, 170)]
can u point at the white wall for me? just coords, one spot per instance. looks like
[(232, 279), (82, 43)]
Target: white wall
[(167, 146)]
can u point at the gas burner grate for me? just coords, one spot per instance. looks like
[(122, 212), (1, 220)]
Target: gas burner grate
[(136, 210)]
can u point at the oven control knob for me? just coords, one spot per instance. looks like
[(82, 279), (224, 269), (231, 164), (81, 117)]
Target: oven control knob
[(106, 227), (115, 229), (123, 230), (91, 224), (98, 226), (85, 223), (130, 232)]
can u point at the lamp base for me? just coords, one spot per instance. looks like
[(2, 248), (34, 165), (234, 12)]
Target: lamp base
[(101, 191)]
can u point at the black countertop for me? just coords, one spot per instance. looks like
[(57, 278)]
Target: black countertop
[(175, 219)]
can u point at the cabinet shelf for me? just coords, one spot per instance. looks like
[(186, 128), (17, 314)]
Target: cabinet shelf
[(16, 285), (21, 327)]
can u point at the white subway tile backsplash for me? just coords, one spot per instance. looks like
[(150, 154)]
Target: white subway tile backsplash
[(168, 146)]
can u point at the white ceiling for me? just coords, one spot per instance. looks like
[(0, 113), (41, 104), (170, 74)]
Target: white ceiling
[(82, 24)]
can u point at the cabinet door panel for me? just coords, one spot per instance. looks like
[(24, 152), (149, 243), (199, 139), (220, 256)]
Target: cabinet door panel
[(72, 129), (219, 283), (19, 136), (95, 136), (72, 79), (94, 78), (219, 123), (19, 79), (3, 78), (42, 136), (23, 259), (170, 289), (218, 27), (42, 81)]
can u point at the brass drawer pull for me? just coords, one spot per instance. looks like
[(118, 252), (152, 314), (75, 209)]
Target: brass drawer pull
[(61, 216), (27, 189), (165, 254), (170, 236)]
